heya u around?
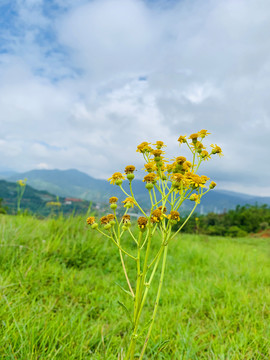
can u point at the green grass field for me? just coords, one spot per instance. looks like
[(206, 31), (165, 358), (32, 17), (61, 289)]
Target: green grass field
[(59, 295)]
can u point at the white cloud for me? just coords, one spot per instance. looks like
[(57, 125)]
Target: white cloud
[(82, 88)]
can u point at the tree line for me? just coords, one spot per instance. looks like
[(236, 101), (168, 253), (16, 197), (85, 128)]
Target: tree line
[(239, 222)]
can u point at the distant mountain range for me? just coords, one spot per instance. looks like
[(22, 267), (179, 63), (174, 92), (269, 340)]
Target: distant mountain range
[(74, 183), (38, 202)]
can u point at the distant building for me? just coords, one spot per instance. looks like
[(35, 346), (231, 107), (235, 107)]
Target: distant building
[(69, 201)]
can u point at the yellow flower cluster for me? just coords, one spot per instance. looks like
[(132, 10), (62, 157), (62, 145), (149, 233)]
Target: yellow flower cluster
[(178, 176), (22, 183), (53, 203)]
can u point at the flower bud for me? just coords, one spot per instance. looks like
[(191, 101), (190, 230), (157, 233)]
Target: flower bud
[(149, 186), (130, 177), (94, 226), (113, 206), (212, 185), (107, 226), (119, 182)]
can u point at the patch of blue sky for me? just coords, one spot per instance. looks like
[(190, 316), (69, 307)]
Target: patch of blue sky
[(51, 147), (8, 15)]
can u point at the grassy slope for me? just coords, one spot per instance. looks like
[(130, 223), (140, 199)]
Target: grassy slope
[(59, 297)]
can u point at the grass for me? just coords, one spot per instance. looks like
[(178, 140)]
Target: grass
[(59, 296)]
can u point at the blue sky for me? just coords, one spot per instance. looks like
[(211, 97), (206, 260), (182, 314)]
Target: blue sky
[(83, 82)]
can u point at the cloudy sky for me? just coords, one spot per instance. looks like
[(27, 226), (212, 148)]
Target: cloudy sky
[(83, 82)]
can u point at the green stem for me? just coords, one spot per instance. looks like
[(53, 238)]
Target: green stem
[(157, 301), (126, 275), (136, 325)]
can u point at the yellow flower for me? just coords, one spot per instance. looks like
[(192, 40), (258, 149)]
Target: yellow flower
[(203, 133), (180, 160), (150, 167), (163, 209), (22, 183), (129, 202), (187, 165), (194, 137), (177, 177), (129, 169), (174, 215), (182, 139), (205, 155), (157, 215), (159, 144), (53, 203), (126, 219), (113, 200), (116, 178), (157, 152), (142, 222), (195, 197), (91, 220), (104, 220), (150, 178), (144, 147), (110, 217), (212, 185), (216, 150)]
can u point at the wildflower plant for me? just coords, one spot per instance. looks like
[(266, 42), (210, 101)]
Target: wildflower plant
[(54, 206), (21, 185), (169, 184)]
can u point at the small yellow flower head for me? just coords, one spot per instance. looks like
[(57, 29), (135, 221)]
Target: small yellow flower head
[(111, 218), (113, 200), (157, 215), (180, 160), (197, 219), (163, 209), (157, 154), (204, 179), (199, 146), (212, 185), (216, 150), (116, 179), (142, 222), (174, 215), (91, 220), (196, 180), (129, 202), (195, 197), (144, 148), (194, 137), (170, 167), (205, 155), (22, 183), (129, 169), (126, 219), (53, 203), (203, 133), (187, 165), (177, 177), (150, 178), (182, 139), (150, 167), (104, 220), (159, 144)]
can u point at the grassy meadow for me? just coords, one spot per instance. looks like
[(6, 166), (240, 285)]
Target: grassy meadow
[(59, 294)]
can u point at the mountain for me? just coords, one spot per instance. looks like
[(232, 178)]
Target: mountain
[(77, 184), (74, 183), (36, 201)]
